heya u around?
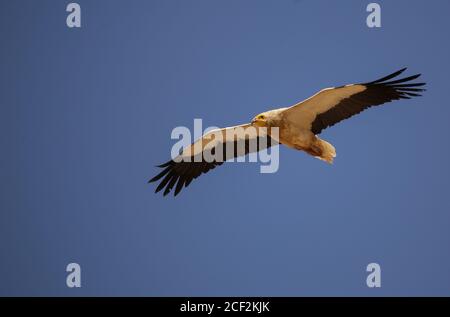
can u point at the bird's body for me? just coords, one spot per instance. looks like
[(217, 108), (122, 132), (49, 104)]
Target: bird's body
[(296, 135), (297, 128)]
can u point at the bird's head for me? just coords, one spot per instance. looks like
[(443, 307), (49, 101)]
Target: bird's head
[(261, 120), (268, 119)]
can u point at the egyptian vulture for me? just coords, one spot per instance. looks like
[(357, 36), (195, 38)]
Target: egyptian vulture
[(298, 127)]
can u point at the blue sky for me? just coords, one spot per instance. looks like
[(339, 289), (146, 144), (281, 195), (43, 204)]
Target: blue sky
[(87, 113)]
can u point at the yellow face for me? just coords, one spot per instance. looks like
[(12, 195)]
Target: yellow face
[(260, 120)]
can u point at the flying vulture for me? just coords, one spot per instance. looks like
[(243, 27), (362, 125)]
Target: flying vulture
[(298, 127)]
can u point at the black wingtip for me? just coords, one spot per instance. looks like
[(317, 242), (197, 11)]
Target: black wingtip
[(164, 164), (154, 179), (402, 80), (160, 175), (179, 186), (400, 71), (408, 85), (390, 76)]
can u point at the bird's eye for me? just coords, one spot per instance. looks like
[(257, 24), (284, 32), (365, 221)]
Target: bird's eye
[(261, 116)]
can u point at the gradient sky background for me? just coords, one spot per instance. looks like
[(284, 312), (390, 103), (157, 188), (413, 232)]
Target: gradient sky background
[(86, 114)]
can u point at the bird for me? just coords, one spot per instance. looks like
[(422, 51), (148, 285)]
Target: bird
[(298, 128)]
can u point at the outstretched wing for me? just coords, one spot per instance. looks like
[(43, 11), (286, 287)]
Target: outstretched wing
[(211, 150), (332, 105)]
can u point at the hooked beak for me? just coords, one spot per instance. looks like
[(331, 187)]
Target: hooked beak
[(258, 122)]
